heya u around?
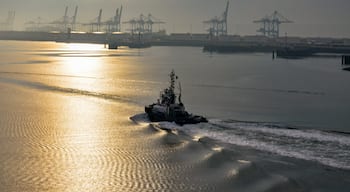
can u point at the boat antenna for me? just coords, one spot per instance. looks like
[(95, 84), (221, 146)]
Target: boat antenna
[(172, 80), (180, 93)]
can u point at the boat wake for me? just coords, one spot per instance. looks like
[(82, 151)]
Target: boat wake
[(327, 148), (47, 87), (287, 91)]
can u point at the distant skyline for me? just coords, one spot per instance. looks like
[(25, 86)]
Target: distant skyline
[(312, 18)]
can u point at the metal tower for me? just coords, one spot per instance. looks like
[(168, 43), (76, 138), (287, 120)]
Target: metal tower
[(99, 19), (271, 24), (62, 24), (74, 19), (9, 22), (143, 24), (117, 19), (114, 24), (35, 25), (218, 25), (65, 20), (96, 24)]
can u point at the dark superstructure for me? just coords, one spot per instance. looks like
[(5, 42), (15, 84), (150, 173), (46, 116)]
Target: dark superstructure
[(346, 62), (167, 109)]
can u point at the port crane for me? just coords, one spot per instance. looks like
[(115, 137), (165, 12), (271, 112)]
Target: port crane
[(218, 25), (74, 19), (62, 24), (270, 24), (9, 22), (95, 25), (109, 26), (69, 23), (143, 24), (114, 24)]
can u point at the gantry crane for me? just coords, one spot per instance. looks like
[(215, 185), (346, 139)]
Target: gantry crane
[(143, 24), (271, 24), (9, 22), (114, 24), (109, 26), (74, 19), (96, 24), (64, 23), (218, 25)]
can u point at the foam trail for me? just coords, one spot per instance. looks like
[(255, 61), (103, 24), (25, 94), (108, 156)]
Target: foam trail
[(41, 86), (329, 149), (289, 91), (44, 74)]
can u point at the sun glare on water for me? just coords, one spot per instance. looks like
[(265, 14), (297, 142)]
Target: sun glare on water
[(82, 64), (81, 59), (82, 47)]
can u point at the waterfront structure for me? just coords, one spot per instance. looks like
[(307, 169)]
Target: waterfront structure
[(218, 25), (7, 25), (270, 24)]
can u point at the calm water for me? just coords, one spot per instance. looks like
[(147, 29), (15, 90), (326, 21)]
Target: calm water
[(65, 124)]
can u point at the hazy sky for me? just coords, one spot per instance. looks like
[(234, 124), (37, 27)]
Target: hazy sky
[(311, 17)]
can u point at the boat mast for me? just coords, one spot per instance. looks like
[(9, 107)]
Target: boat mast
[(172, 87), (180, 93), (172, 81)]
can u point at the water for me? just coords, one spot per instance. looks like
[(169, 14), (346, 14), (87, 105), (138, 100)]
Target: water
[(65, 123)]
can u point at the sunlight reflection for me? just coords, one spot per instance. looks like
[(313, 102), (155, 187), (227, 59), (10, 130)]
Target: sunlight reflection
[(244, 161), (196, 138), (83, 124), (217, 149), (84, 72), (82, 47), (93, 71), (82, 60), (84, 130), (81, 66)]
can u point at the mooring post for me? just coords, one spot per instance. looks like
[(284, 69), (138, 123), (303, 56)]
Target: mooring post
[(345, 59), (273, 55)]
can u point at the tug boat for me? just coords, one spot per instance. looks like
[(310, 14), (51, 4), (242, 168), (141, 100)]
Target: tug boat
[(168, 109)]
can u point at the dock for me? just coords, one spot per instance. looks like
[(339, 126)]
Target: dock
[(295, 47)]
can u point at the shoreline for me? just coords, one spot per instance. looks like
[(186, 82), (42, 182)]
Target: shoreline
[(223, 44)]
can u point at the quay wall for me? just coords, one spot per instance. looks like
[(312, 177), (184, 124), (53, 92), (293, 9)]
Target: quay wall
[(230, 43)]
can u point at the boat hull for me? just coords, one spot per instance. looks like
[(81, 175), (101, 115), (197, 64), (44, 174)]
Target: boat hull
[(180, 119)]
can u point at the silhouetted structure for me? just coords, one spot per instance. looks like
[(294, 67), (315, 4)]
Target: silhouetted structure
[(271, 24), (109, 26), (95, 25), (345, 60), (74, 19), (114, 24), (143, 24), (218, 25), (62, 24), (7, 25)]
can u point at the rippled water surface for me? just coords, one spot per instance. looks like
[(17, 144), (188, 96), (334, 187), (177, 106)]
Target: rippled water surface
[(65, 121)]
